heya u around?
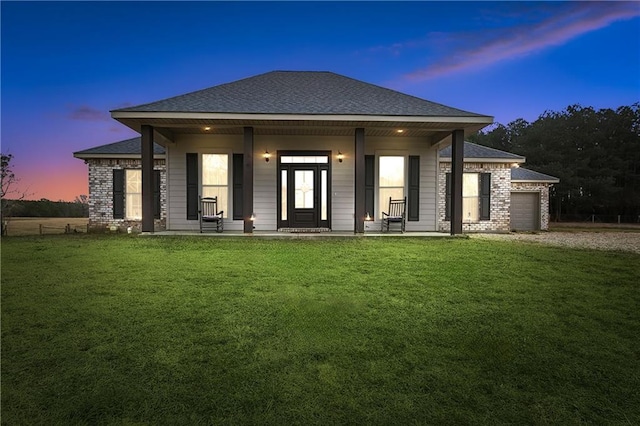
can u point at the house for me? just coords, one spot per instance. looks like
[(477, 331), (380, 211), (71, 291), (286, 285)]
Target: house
[(286, 150), (518, 197)]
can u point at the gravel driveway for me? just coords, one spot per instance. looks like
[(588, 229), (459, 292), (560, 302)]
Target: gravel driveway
[(618, 241)]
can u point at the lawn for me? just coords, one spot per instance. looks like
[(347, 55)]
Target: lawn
[(157, 330)]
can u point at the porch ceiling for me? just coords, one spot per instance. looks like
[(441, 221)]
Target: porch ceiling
[(429, 127)]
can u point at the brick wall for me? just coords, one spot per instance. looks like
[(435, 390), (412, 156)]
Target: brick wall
[(101, 193), (500, 197)]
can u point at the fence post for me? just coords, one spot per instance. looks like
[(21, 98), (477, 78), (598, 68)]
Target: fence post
[(618, 219), (40, 226), (593, 218), (5, 225)]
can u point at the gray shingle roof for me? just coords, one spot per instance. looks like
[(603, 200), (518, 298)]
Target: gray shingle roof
[(472, 150), (301, 92), (126, 147), (520, 173)]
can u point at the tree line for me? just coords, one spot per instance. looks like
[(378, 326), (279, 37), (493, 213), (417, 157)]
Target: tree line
[(594, 153), (47, 208)]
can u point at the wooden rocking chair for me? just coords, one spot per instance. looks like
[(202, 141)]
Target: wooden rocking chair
[(395, 214), (210, 217)]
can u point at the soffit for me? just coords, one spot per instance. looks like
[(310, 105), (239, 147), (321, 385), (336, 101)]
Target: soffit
[(172, 126)]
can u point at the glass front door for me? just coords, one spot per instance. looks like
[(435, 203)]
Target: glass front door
[(304, 196)]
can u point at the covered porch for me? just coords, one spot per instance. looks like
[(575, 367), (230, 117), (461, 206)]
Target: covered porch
[(351, 123)]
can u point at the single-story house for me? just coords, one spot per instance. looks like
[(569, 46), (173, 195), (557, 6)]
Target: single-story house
[(288, 150), (518, 198)]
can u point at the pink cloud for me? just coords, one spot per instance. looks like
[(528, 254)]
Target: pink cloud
[(491, 47), (87, 113)]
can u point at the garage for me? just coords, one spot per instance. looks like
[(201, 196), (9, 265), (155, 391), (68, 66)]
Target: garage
[(525, 211)]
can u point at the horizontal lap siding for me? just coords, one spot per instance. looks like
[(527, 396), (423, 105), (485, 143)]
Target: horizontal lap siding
[(266, 179), (265, 176), (428, 176), (177, 176)]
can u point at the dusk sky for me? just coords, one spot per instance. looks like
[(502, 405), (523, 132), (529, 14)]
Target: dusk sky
[(66, 65)]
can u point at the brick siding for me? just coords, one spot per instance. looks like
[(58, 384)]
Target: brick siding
[(500, 198), (101, 193)]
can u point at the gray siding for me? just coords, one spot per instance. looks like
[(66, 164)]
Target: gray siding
[(265, 176)]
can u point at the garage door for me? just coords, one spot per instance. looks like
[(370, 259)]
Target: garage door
[(525, 211)]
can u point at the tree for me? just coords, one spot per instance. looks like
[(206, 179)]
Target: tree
[(83, 201), (595, 153), (8, 181)]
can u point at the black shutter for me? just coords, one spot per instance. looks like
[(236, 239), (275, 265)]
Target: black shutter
[(238, 176), (369, 184), (447, 197), (118, 194), (413, 201), (156, 194), (192, 186), (485, 196)]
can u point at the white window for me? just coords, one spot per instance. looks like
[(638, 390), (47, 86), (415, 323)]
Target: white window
[(215, 179), (133, 194), (390, 181), (470, 197)]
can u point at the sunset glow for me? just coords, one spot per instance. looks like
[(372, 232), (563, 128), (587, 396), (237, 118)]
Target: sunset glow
[(65, 65)]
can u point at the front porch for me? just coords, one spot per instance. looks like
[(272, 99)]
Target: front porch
[(303, 235), (219, 143)]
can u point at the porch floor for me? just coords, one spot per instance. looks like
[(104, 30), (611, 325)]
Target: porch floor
[(303, 235)]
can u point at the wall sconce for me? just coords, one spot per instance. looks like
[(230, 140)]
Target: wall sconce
[(340, 157), (252, 218), (368, 217), (266, 156)]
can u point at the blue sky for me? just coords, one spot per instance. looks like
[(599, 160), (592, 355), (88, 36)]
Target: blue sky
[(66, 64)]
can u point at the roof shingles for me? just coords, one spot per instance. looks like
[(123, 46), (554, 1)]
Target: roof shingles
[(472, 150), (131, 146), (301, 92)]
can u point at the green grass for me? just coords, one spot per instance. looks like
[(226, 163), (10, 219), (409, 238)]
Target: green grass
[(128, 330)]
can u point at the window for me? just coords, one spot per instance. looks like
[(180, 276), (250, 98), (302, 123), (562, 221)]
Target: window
[(476, 196), (470, 197), (133, 194), (215, 168), (390, 181)]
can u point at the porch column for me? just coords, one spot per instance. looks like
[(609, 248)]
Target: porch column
[(147, 178), (247, 180), (359, 182), (457, 160)]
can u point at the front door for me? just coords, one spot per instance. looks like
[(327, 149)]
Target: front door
[(304, 195), (303, 191)]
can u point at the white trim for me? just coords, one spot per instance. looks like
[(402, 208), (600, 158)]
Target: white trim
[(550, 181), (486, 160), (299, 117), (117, 156)]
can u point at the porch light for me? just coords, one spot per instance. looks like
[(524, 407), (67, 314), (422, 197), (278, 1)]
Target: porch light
[(515, 165), (266, 156), (252, 218), (400, 131), (340, 156), (368, 217), (206, 129)]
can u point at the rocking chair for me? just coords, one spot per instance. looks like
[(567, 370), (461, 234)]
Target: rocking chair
[(395, 214), (210, 217)]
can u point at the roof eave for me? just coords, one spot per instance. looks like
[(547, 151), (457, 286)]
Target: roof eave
[(142, 115), (115, 156), (486, 160), (535, 180)]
